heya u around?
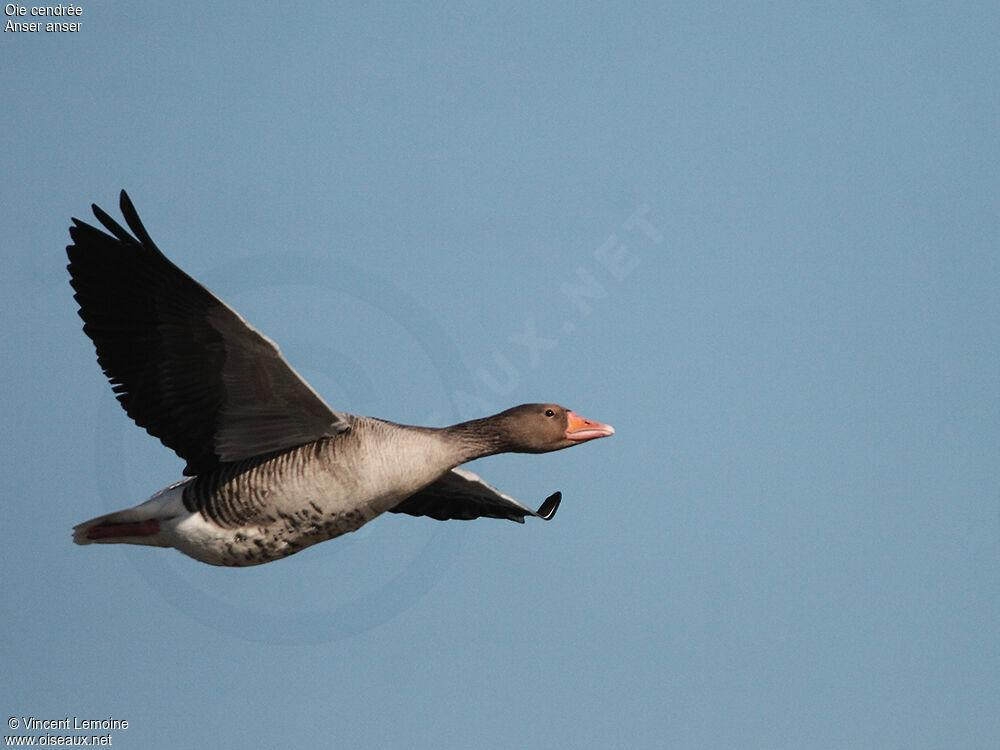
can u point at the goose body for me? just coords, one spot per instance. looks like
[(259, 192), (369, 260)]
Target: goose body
[(271, 469)]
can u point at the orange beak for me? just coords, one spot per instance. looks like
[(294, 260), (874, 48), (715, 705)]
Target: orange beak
[(581, 429)]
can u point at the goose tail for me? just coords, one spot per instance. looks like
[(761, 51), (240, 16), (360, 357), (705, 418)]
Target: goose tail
[(138, 525)]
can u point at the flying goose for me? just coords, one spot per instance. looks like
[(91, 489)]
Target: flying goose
[(270, 468)]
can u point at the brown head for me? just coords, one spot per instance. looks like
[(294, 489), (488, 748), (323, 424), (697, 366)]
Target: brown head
[(534, 428)]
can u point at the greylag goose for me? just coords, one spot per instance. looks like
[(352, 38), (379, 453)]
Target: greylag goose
[(270, 468)]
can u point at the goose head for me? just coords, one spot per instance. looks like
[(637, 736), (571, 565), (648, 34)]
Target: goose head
[(540, 428)]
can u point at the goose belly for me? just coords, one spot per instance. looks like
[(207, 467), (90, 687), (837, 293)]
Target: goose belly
[(261, 541), (252, 514)]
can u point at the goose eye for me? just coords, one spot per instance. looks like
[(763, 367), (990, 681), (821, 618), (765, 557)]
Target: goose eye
[(549, 413)]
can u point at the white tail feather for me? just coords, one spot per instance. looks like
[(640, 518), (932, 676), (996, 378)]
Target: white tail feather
[(164, 505)]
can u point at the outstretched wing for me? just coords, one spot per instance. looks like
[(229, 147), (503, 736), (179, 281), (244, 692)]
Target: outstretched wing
[(462, 495), (184, 365)]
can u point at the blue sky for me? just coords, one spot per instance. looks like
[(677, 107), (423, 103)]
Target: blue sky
[(761, 241)]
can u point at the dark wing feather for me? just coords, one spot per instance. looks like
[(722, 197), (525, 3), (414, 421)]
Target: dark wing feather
[(462, 495), (183, 364)]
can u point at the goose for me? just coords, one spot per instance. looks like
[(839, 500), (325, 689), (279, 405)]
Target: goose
[(270, 468)]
